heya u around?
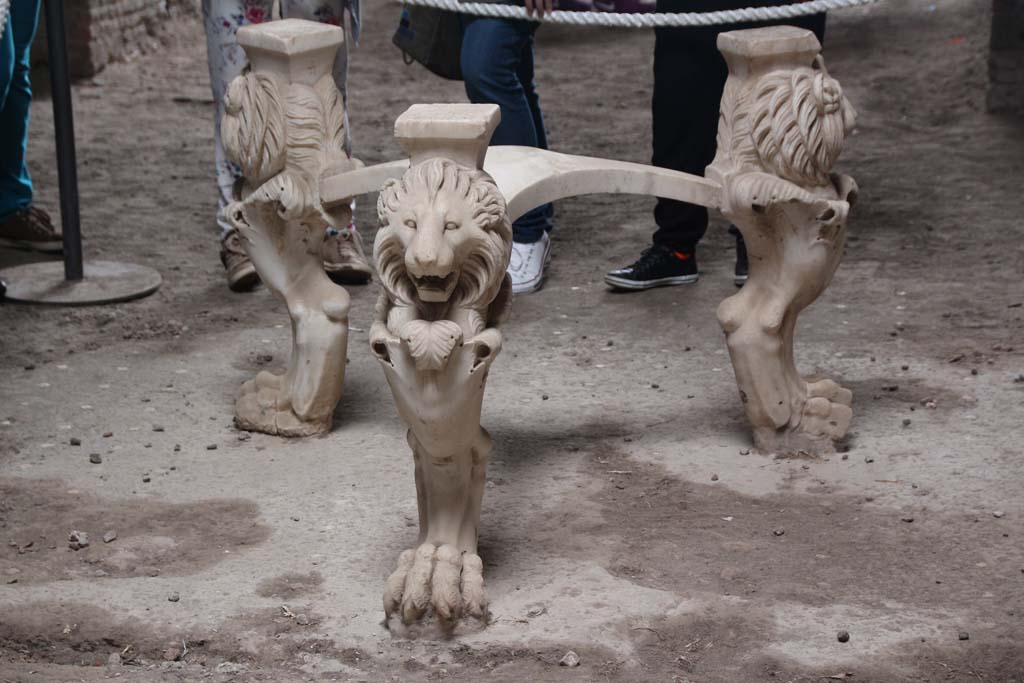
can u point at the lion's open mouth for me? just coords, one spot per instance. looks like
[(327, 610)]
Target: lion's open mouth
[(434, 283)]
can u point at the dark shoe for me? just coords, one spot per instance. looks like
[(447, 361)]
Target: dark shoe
[(656, 267), (344, 260), (742, 265), (31, 229), (241, 273)]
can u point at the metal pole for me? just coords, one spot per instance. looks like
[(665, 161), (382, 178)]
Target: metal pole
[(64, 127)]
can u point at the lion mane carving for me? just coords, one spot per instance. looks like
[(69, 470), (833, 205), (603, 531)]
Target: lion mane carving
[(789, 123), (443, 248), (267, 131), (799, 124)]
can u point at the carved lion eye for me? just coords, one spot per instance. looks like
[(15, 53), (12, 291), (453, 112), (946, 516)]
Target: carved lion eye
[(451, 225), (410, 223)]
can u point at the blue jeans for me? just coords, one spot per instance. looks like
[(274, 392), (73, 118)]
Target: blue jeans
[(497, 66), (15, 102)]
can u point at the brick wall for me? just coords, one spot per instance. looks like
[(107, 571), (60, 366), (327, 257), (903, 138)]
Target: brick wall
[(102, 31), (1006, 59)]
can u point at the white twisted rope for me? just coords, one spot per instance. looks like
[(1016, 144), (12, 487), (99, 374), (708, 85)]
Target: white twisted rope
[(5, 7), (644, 20)]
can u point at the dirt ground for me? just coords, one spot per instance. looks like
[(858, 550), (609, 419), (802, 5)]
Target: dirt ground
[(603, 530)]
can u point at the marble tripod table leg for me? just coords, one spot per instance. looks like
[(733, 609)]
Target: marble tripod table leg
[(783, 123), (284, 125), (441, 254)]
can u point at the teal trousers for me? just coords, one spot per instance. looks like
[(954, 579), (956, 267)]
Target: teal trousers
[(15, 103)]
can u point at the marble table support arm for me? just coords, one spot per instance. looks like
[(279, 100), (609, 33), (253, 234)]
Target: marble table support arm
[(530, 177)]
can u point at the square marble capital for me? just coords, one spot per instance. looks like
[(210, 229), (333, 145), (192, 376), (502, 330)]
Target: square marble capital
[(759, 50), (297, 50), (460, 132)]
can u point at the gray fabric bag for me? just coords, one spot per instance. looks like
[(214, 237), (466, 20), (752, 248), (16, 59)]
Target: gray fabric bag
[(433, 38)]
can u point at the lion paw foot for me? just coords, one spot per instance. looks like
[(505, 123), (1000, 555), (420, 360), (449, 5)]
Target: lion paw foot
[(827, 412), (256, 409), (437, 578)]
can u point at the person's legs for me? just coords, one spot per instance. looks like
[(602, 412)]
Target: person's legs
[(542, 216), (497, 66), (689, 76), (15, 104), (525, 74), (226, 60), (22, 225)]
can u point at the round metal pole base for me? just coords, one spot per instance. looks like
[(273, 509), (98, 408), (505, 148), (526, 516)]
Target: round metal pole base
[(105, 282)]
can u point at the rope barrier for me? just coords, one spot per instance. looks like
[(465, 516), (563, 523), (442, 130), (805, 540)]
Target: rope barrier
[(5, 6), (643, 20)]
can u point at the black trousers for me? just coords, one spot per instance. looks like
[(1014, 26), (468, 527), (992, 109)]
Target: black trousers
[(689, 77)]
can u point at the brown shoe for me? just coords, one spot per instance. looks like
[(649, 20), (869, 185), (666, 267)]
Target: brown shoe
[(344, 261), (31, 229), (242, 275)]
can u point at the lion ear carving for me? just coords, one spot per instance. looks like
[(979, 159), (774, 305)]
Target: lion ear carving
[(431, 343)]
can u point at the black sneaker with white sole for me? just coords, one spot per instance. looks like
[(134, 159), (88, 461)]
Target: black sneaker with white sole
[(656, 267)]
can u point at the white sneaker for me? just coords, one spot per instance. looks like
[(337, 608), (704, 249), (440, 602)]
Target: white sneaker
[(526, 267)]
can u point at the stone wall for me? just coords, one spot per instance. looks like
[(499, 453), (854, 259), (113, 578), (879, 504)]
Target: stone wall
[(103, 31), (1006, 59)]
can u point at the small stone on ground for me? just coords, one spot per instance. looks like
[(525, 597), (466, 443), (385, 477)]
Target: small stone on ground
[(78, 540), (570, 659)]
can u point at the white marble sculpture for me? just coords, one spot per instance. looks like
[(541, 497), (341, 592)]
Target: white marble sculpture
[(443, 246), (283, 126), (782, 127), (441, 253)]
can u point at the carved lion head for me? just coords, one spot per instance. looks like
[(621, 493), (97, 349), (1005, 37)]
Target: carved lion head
[(445, 235), (799, 122)]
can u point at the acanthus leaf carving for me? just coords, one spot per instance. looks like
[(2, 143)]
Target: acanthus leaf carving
[(431, 343)]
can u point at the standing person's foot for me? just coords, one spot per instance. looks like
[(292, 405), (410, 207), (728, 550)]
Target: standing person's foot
[(241, 273), (31, 228), (344, 259), (526, 267), (656, 267), (742, 270)]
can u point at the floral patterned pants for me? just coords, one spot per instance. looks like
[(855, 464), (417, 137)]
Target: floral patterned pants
[(221, 20)]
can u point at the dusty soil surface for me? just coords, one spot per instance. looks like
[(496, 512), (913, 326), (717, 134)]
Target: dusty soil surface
[(604, 530)]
